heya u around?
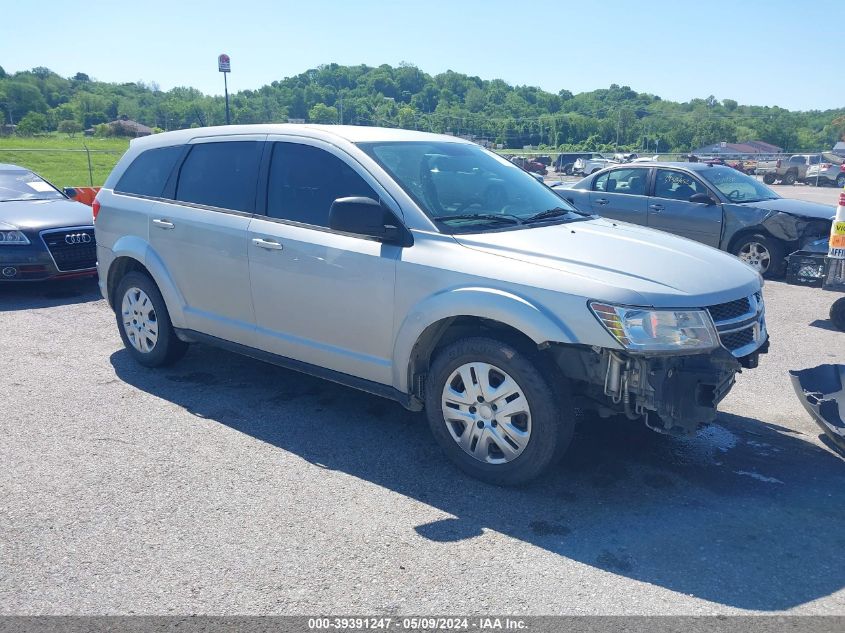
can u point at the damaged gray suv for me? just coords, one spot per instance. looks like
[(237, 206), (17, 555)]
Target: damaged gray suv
[(424, 269)]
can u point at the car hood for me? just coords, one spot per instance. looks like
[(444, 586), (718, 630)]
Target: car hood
[(37, 215), (624, 263), (794, 207)]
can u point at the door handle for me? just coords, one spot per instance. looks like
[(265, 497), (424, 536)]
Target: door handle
[(269, 245), (163, 224), (656, 207), (602, 201)]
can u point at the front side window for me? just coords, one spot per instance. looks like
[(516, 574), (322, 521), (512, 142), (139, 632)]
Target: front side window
[(221, 174), (19, 184), (305, 180), (676, 185), (465, 188), (629, 181), (148, 173)]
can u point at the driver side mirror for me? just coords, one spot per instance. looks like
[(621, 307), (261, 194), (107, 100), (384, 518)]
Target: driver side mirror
[(364, 216), (701, 198)]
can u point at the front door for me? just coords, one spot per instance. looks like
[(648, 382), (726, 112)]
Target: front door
[(670, 210), (321, 297)]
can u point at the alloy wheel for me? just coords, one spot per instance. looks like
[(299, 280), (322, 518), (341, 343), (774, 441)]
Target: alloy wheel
[(756, 255), (486, 413), (139, 320)]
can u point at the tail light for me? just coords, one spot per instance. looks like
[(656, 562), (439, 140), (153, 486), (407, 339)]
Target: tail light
[(95, 208), (842, 167)]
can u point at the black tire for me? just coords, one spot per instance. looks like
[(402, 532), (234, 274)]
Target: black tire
[(837, 314), (167, 348), (769, 179), (790, 177), (552, 415), (777, 253), (840, 181)]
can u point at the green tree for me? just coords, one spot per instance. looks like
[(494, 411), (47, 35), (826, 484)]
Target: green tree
[(69, 127), (31, 124), (321, 113)]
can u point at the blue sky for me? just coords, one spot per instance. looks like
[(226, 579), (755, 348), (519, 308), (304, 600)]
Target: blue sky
[(786, 53)]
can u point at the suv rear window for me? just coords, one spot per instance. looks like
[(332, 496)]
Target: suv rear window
[(148, 173), (221, 174)]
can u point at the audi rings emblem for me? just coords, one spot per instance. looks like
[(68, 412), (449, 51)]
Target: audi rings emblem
[(78, 238)]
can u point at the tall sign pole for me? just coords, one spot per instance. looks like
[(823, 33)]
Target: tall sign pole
[(224, 65)]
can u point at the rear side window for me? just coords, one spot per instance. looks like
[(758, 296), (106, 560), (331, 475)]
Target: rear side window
[(148, 173), (630, 181), (305, 180), (222, 174)]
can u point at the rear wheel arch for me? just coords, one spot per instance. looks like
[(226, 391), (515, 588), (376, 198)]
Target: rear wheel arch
[(119, 268)]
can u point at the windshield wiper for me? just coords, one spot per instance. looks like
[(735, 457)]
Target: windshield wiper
[(549, 213), (498, 217)]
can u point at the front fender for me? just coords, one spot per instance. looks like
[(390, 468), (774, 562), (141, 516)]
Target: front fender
[(489, 303), (138, 249)]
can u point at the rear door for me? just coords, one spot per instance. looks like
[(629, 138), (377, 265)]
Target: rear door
[(201, 235), (670, 210), (620, 194)]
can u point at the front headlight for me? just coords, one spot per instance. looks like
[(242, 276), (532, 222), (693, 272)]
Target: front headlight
[(643, 329), (12, 237)]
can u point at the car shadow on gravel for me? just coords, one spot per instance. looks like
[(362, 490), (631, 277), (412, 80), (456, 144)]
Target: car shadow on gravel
[(47, 294), (746, 514)]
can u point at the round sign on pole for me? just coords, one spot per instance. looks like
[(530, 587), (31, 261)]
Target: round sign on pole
[(224, 64)]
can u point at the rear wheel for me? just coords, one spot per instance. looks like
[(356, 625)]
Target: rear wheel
[(840, 181), (494, 413), (769, 179), (144, 323), (790, 178), (763, 253)]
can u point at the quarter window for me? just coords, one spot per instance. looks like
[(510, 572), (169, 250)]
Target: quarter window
[(222, 174), (676, 185), (629, 181), (148, 173), (305, 180)]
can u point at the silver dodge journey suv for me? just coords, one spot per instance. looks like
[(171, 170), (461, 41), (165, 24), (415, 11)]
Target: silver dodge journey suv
[(424, 269)]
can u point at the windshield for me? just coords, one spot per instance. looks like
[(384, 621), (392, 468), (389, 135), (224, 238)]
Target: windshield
[(736, 186), (24, 185), (466, 188)]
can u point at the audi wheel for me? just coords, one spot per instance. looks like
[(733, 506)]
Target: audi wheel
[(144, 323), (494, 412)]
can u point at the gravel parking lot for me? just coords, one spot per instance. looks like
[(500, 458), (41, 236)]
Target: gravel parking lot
[(223, 485)]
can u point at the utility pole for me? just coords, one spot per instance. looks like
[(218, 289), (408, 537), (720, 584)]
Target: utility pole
[(341, 109)]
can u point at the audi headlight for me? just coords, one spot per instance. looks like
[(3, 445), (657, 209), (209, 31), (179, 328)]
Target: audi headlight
[(643, 329), (12, 237)]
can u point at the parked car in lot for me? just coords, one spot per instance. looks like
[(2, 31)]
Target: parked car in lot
[(713, 204), (787, 170), (43, 235), (829, 172), (565, 161), (496, 307), (587, 166), (529, 164)]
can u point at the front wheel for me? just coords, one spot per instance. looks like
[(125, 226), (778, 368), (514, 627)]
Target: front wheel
[(790, 178), (763, 253), (144, 323), (494, 413), (840, 181), (769, 179)]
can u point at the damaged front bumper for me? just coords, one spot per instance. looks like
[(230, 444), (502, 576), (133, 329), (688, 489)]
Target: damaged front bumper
[(670, 393), (820, 390)]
